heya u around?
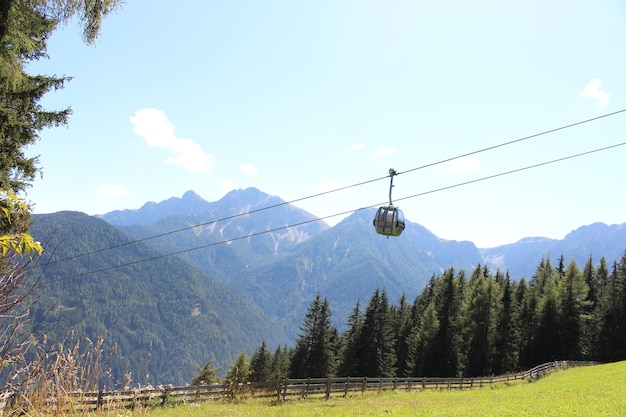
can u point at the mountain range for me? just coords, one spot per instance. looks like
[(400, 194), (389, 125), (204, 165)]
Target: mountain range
[(176, 283)]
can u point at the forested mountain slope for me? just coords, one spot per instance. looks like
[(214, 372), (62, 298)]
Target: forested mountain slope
[(165, 316), (346, 264)]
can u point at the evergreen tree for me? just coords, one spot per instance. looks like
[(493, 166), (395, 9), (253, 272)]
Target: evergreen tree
[(448, 296), (477, 324), (239, 371), (206, 375), (572, 291), (548, 344), (602, 277), (598, 330), (505, 349), (260, 364), (421, 344), (21, 114), (589, 324), (591, 279), (611, 314), (526, 323), (350, 340), (316, 347), (25, 27), (280, 363), (376, 356), (402, 324)]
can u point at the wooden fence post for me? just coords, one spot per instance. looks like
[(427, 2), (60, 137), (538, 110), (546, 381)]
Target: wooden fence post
[(345, 391), (99, 400), (328, 387), (283, 386), (306, 390), (164, 395)]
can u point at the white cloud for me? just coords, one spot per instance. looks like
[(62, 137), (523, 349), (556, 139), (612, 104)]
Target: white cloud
[(593, 90), (250, 170), (386, 150), (357, 147), (154, 127), (112, 191), (462, 165)]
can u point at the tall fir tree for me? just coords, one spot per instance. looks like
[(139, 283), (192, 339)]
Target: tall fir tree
[(422, 352), (376, 356), (448, 296), (526, 322), (239, 371), (505, 352), (548, 343), (281, 360), (316, 347), (350, 340), (478, 324), (572, 292), (402, 323), (25, 27), (260, 364)]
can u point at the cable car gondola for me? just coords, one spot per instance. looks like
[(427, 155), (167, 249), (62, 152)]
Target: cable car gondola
[(389, 220)]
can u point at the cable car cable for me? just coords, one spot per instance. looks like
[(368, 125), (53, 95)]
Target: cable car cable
[(338, 189), (164, 255), (515, 141)]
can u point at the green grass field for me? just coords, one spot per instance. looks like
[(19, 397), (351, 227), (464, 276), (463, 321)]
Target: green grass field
[(588, 391)]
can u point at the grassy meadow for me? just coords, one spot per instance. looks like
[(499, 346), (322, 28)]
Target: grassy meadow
[(587, 391)]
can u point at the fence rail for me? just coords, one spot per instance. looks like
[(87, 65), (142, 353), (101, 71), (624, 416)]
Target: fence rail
[(280, 390)]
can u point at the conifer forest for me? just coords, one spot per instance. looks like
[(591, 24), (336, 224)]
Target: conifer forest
[(462, 324)]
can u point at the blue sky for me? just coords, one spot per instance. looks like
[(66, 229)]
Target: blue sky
[(300, 97)]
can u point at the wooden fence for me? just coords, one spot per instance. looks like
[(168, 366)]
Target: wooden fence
[(279, 390)]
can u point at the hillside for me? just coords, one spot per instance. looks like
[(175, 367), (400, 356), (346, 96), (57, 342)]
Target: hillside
[(235, 274), (346, 264), (165, 316)]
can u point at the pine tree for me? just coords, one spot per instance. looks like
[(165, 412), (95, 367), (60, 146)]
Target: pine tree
[(402, 323), (526, 323), (239, 371), (21, 114), (25, 27), (572, 291), (611, 314), (376, 356), (350, 340), (448, 296), (477, 329), (505, 357), (315, 352), (589, 323), (206, 375), (597, 330), (280, 363), (548, 344), (260, 364), (421, 344)]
